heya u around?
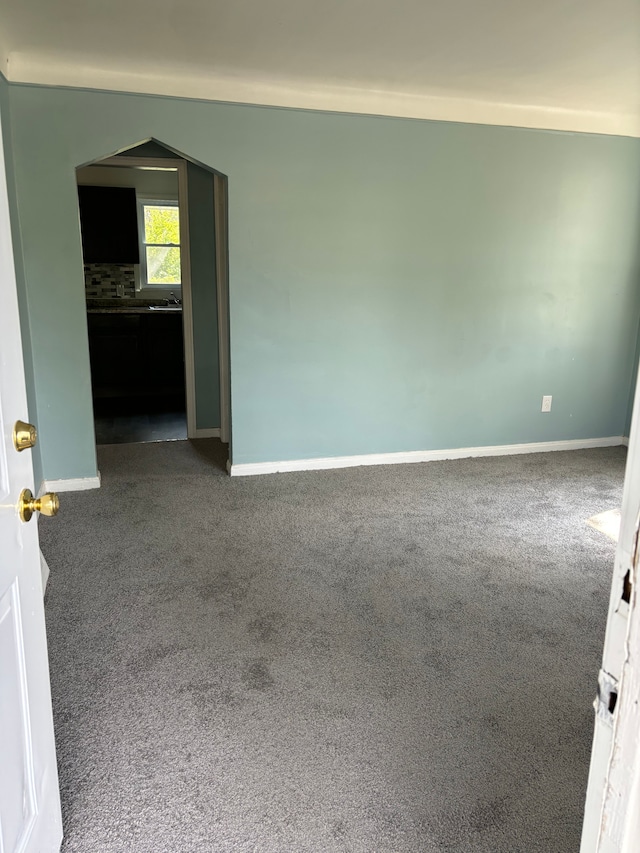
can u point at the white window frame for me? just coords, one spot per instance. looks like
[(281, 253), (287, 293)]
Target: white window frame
[(142, 284)]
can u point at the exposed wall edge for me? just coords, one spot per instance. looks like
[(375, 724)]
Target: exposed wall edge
[(324, 463), (78, 484), (44, 573)]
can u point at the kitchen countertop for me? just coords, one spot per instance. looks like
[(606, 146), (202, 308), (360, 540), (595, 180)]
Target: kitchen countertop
[(142, 309), (131, 306)]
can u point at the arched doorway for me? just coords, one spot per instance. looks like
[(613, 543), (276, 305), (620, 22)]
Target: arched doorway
[(168, 295)]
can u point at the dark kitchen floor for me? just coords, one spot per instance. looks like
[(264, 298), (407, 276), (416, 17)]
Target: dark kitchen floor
[(133, 429)]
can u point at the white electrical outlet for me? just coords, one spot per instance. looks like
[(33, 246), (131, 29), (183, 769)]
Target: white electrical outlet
[(546, 403)]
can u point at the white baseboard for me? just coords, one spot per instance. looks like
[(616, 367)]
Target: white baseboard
[(206, 433), (323, 463), (72, 485), (625, 440)]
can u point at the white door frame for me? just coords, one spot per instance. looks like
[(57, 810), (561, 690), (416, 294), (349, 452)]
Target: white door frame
[(612, 812), (222, 286)]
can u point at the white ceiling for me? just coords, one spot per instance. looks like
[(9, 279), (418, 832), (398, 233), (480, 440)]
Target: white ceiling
[(564, 64)]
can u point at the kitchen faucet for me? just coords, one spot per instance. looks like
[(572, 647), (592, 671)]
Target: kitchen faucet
[(173, 300)]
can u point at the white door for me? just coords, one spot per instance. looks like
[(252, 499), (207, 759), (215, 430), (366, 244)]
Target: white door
[(612, 810), (30, 820)]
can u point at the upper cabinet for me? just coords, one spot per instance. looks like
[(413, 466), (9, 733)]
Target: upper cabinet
[(109, 223)]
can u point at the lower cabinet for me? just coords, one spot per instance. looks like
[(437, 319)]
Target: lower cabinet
[(137, 362)]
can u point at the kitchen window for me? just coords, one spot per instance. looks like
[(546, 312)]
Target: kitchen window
[(159, 229)]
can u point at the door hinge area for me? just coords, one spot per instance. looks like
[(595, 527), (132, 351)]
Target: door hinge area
[(607, 697)]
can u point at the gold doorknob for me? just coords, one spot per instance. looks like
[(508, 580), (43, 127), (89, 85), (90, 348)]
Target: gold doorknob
[(24, 435), (48, 504)]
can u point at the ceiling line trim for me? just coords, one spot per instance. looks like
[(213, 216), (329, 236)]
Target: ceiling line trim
[(329, 98)]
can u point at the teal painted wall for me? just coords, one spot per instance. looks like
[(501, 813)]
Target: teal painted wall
[(394, 284), (204, 296), (150, 149), (23, 306)]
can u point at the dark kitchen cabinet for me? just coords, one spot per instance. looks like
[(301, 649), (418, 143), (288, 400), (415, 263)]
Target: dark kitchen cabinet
[(137, 362), (109, 225)]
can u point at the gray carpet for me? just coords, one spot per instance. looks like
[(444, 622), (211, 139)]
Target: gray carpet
[(377, 660)]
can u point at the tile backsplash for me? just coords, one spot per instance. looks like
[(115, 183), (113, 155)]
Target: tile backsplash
[(102, 281)]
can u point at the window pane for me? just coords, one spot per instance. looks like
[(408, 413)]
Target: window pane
[(163, 265), (161, 224)]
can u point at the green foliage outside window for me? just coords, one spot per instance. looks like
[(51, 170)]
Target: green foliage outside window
[(162, 244)]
